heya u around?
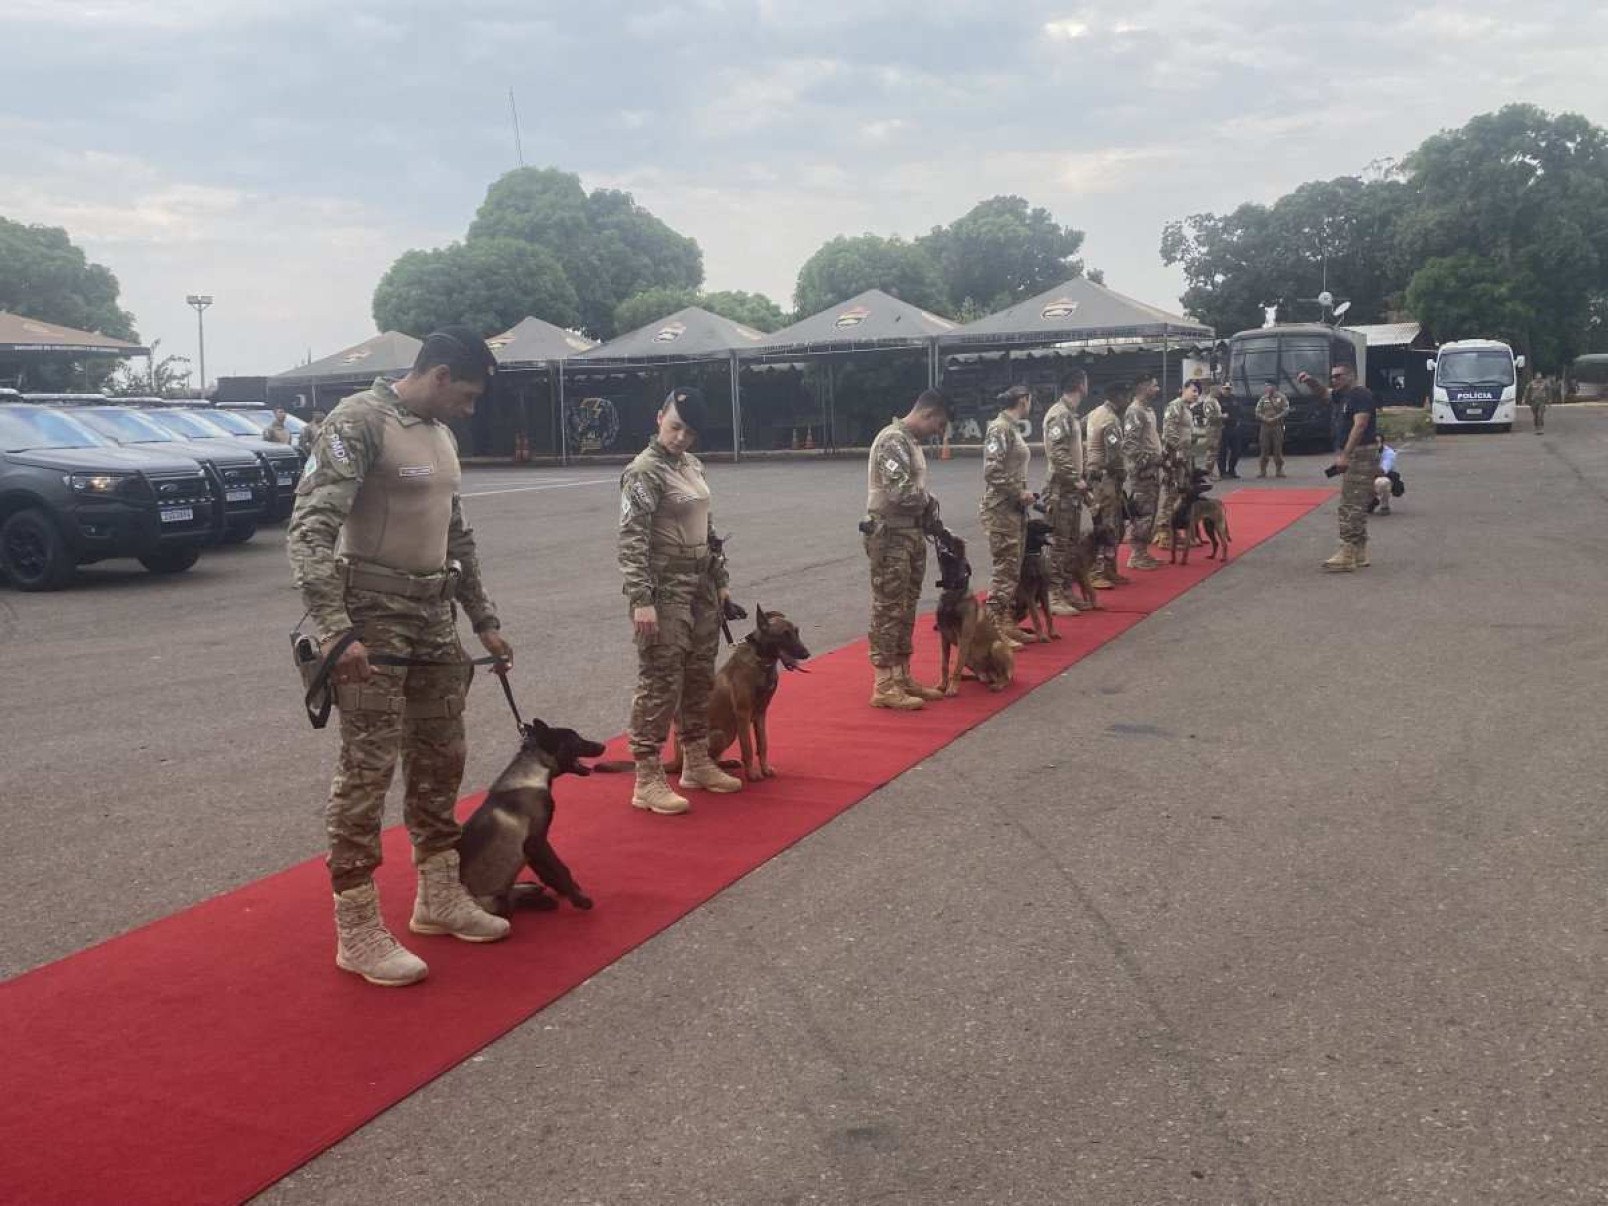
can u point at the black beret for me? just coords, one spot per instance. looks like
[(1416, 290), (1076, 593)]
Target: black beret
[(1014, 395), (689, 404)]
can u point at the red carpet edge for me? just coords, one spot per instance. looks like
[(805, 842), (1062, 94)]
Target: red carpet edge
[(204, 1056)]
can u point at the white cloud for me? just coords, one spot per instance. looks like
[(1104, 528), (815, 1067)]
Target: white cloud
[(1065, 29)]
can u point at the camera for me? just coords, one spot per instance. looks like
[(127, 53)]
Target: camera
[(1333, 471)]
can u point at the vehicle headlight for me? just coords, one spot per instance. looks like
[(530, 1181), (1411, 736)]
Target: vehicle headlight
[(97, 483)]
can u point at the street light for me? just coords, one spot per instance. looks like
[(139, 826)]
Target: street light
[(200, 301)]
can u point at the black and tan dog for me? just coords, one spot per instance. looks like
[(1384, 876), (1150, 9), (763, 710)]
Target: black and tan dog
[(743, 691), (964, 626), (1197, 518), (1033, 584), (508, 832)]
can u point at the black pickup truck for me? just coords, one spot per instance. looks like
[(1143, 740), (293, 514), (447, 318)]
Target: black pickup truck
[(69, 497)]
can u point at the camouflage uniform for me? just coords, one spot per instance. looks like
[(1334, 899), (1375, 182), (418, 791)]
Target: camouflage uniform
[(1356, 488), (1005, 458), (665, 555), (1212, 410), (1141, 447), (377, 523), (1177, 442), (1063, 489), (896, 503), (276, 433), (1105, 470), (1536, 396), (1271, 410)]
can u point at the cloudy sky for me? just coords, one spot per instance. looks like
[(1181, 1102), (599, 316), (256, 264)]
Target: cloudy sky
[(279, 154)]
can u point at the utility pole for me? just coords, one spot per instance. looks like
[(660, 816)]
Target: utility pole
[(513, 108), (199, 302)]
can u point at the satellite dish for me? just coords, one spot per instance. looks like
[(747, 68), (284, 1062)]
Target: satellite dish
[(1340, 310), (1325, 299)]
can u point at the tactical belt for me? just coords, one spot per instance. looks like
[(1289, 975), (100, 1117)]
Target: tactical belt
[(319, 698), (386, 581), (674, 555), (899, 521)]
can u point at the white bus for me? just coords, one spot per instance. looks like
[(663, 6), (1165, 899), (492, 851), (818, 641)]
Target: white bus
[(1476, 384)]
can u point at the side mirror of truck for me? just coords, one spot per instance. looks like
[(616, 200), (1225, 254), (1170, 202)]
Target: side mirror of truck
[(1430, 364), (1518, 362)]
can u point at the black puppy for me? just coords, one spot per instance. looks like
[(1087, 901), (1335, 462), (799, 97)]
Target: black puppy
[(508, 831), (1033, 584)]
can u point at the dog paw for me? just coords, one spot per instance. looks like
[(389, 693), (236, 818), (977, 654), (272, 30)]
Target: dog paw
[(581, 901), (768, 772), (754, 774), (951, 691)]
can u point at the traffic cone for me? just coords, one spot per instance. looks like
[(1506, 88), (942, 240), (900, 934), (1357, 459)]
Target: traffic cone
[(795, 439), (809, 437), (943, 454)]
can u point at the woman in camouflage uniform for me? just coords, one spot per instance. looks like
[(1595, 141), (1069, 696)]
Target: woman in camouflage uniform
[(676, 583)]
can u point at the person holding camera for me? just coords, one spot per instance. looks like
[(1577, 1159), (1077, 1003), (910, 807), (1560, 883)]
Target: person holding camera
[(899, 513), (1357, 430)]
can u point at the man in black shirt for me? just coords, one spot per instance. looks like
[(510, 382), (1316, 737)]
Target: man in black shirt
[(1228, 452), (1358, 457)]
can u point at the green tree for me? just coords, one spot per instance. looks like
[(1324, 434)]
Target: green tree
[(608, 246), (1001, 252), (44, 276), (847, 266), (1527, 192), (1468, 297), (169, 377), (1343, 230), (650, 305), (751, 309), (490, 284)]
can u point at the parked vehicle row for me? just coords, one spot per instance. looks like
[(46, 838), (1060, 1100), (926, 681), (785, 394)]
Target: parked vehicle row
[(85, 478)]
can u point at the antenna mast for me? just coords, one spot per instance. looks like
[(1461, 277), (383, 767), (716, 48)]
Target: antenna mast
[(513, 108)]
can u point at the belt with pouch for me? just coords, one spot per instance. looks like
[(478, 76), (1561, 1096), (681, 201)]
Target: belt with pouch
[(677, 556), (386, 581)]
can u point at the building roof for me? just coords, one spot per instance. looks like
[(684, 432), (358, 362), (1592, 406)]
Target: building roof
[(1078, 309), (690, 334), (533, 341), (387, 352), (19, 333), (1390, 334), (868, 320)]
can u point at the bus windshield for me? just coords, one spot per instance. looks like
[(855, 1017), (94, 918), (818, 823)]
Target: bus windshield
[(1489, 367), (1281, 359)]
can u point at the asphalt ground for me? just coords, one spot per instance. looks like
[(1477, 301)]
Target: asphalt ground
[(1293, 893)]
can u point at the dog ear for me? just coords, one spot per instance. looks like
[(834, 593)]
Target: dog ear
[(760, 618)]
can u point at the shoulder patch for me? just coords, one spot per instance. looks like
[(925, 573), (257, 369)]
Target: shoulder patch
[(337, 447), (995, 444)]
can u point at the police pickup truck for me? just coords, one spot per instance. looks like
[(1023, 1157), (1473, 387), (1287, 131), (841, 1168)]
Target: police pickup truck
[(69, 497)]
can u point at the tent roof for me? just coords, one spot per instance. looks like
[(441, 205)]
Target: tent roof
[(1390, 334), (22, 334), (867, 320), (690, 334), (387, 352), (1077, 309), (533, 341)]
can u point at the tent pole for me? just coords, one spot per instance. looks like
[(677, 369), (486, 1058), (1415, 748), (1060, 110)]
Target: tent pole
[(1164, 346), (932, 364), (736, 413), (563, 427)]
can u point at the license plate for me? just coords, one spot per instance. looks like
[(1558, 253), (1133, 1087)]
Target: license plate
[(237, 496), (287, 479), (177, 514)]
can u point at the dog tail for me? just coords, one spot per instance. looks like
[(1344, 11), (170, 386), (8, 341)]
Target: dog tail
[(619, 766)]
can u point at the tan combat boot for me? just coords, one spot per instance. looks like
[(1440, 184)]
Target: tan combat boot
[(653, 792), (444, 906), (1362, 554), (1162, 539), (911, 687), (365, 947), (889, 694), (1060, 605), (1140, 559), (1344, 560), (699, 770)]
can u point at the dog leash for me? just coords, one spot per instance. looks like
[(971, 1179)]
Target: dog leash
[(319, 699)]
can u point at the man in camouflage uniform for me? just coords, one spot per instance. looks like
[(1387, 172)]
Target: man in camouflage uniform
[(380, 550), (675, 580), (899, 513), (1536, 396), (1357, 414), (1211, 413), (1271, 410), (1105, 471), (277, 432), (1141, 447), (1177, 445), (1006, 499), (1064, 487)]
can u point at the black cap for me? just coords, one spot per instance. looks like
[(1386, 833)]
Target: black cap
[(689, 404), (461, 349), (1014, 395)]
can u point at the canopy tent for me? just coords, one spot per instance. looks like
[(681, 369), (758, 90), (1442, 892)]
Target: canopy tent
[(385, 354), (690, 336), (872, 321), (536, 343), (1077, 311), (528, 358), (27, 343)]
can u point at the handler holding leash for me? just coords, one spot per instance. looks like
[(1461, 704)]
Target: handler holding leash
[(899, 513), (380, 551), (1064, 487), (1006, 499), (676, 584)]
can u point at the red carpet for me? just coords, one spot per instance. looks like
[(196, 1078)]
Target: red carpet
[(207, 1055)]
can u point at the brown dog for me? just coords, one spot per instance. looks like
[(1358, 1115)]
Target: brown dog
[(1033, 585), (1208, 515), (966, 627), (743, 690)]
